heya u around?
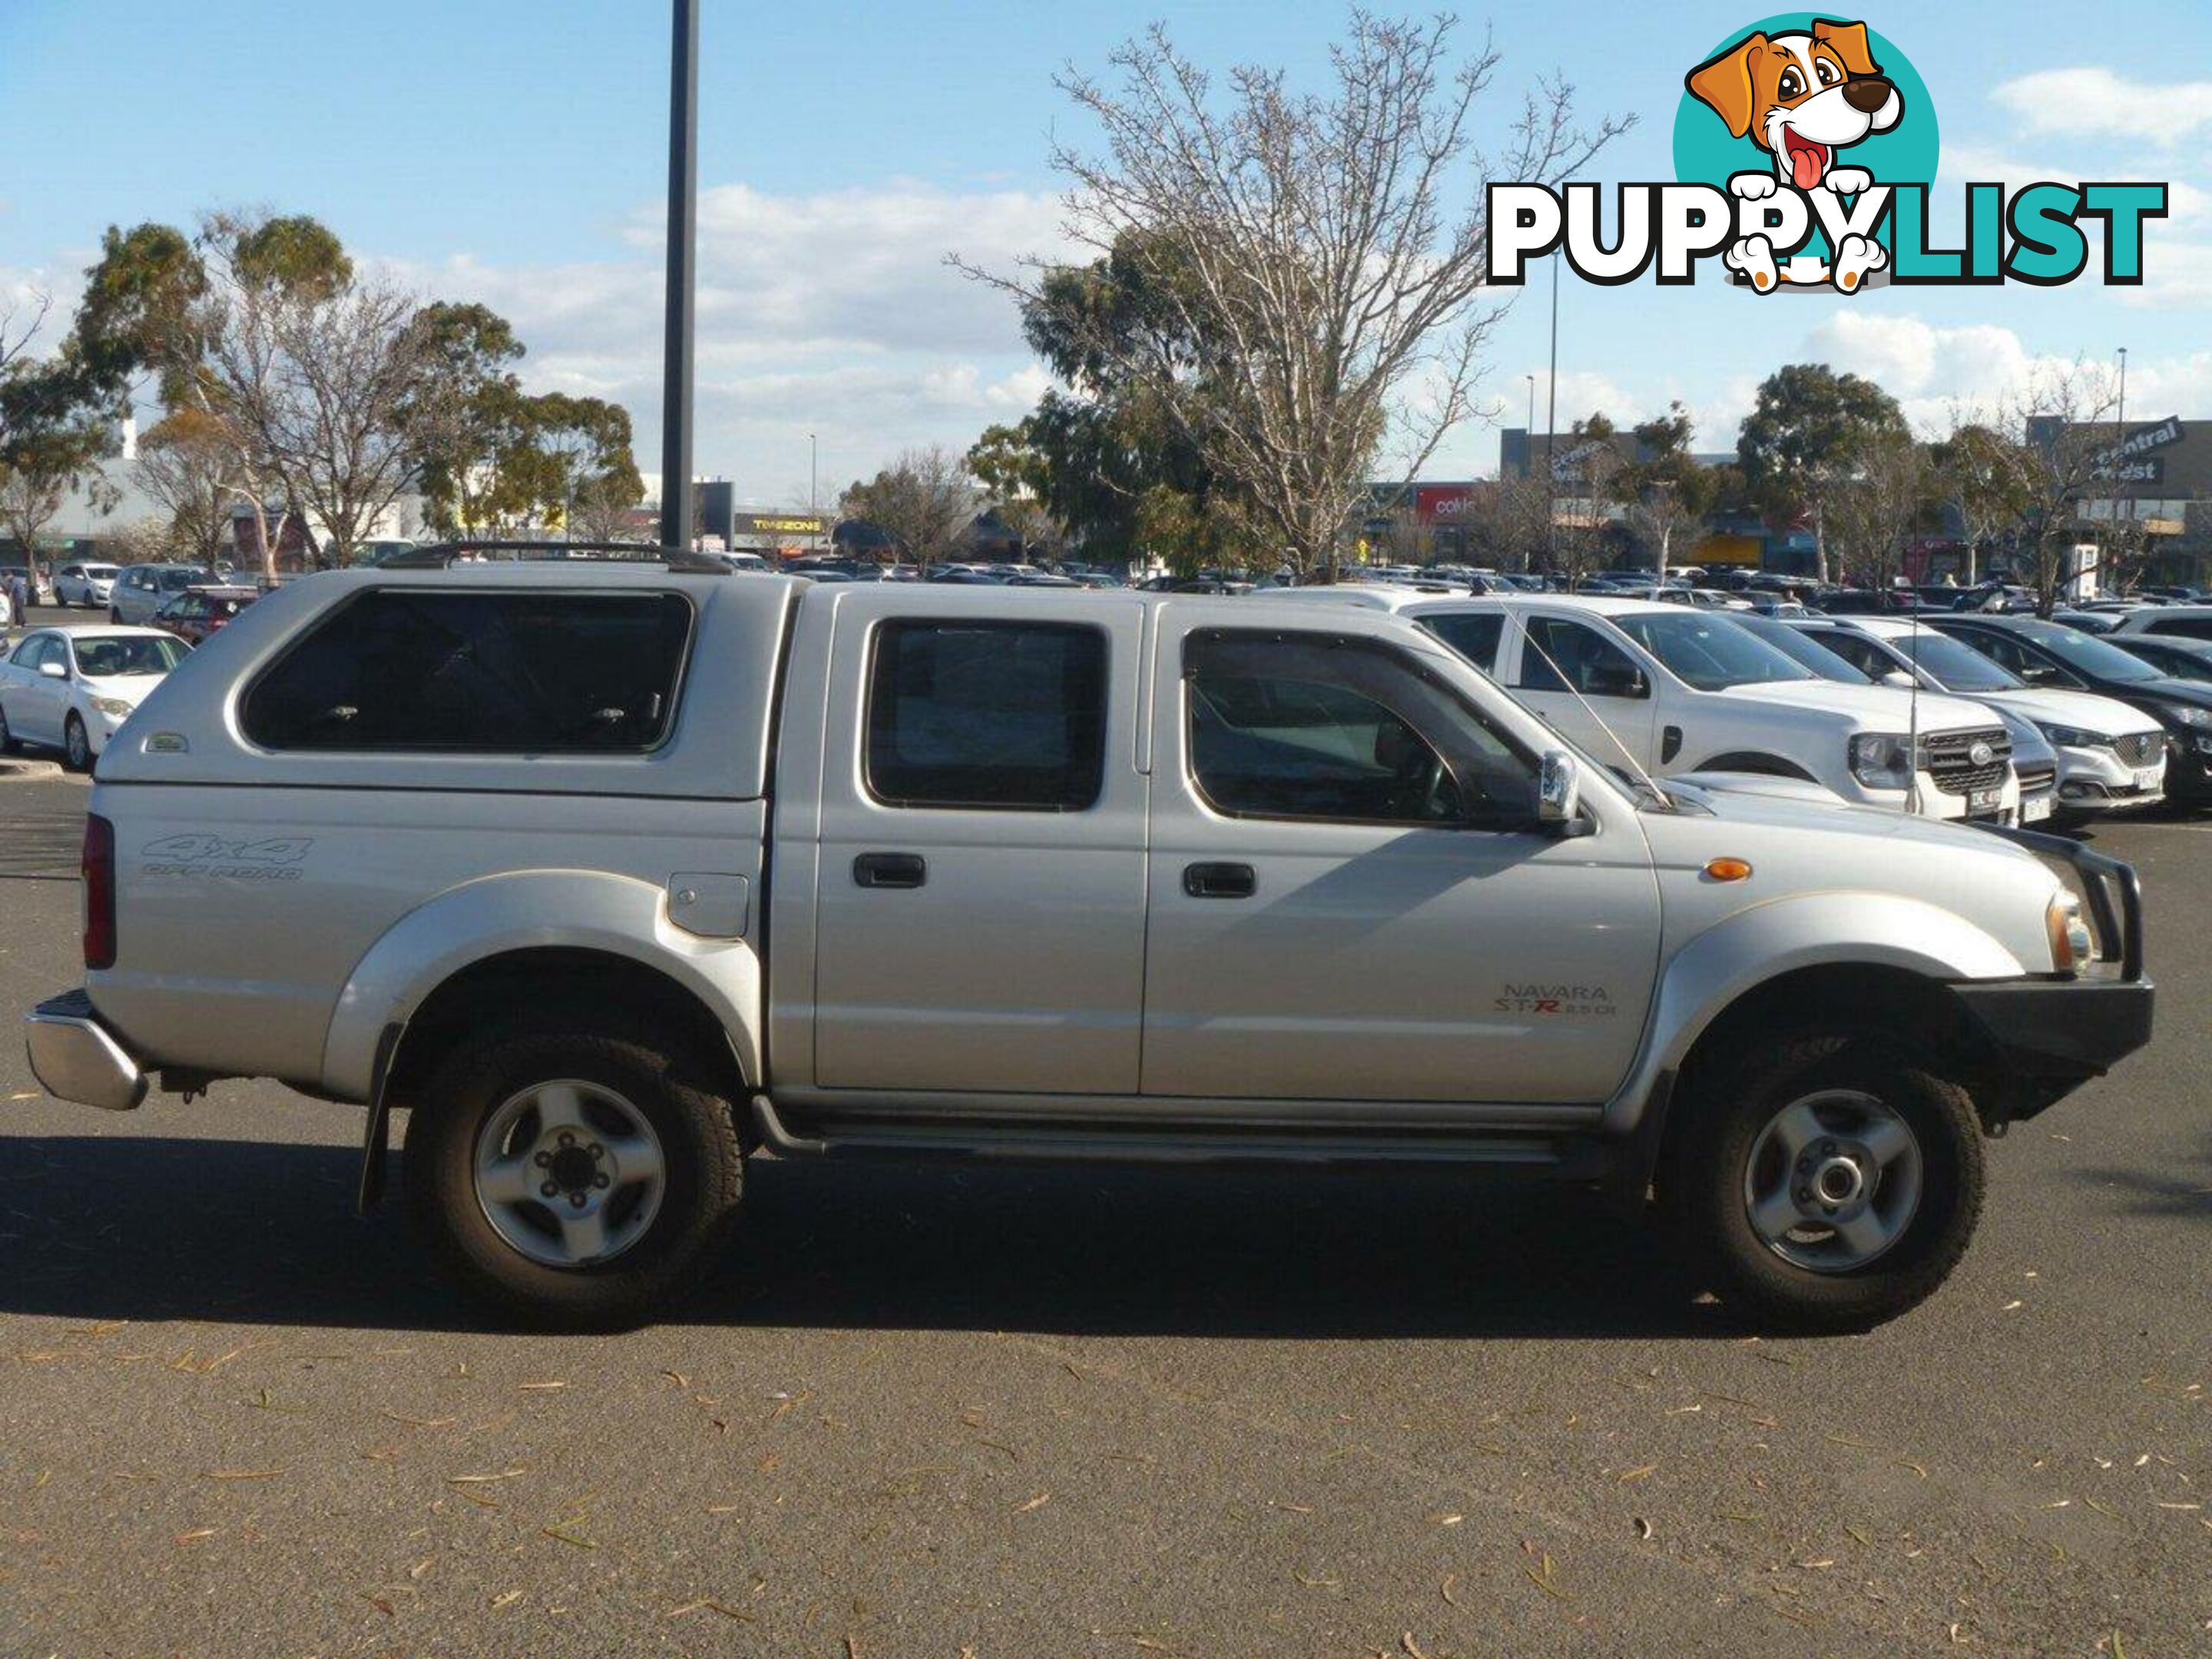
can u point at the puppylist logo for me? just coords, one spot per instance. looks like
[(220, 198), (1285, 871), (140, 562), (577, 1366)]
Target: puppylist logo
[(1805, 152)]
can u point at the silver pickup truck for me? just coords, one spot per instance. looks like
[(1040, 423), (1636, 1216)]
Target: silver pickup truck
[(610, 875)]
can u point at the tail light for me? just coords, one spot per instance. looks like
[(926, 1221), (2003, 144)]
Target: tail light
[(99, 891)]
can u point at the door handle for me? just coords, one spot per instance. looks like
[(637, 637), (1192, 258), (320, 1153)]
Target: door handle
[(1219, 880), (889, 870)]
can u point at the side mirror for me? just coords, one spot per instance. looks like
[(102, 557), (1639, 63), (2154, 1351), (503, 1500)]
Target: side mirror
[(1616, 680), (1559, 793), (54, 670), (1898, 677)]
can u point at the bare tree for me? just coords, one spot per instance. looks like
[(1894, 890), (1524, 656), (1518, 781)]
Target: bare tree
[(1590, 486), (322, 386), (1303, 249), (2065, 419), (184, 466), (1979, 477), (1510, 519), (1658, 517), (925, 499), (20, 323), (601, 515), (1870, 512), (32, 490)]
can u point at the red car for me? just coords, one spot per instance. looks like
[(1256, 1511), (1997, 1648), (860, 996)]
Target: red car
[(196, 613)]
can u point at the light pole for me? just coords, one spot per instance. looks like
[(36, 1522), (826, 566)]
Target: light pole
[(813, 475), (1552, 422), (2124, 393), (1532, 407), (676, 488)]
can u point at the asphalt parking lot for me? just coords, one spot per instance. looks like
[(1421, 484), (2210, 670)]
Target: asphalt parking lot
[(1015, 1413)]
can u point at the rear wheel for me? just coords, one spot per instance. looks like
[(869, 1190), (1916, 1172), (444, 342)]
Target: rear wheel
[(571, 1180), (8, 744), (1828, 1182)]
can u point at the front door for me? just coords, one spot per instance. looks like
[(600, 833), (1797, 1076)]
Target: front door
[(37, 707), (1586, 684), (1351, 898), (981, 890)]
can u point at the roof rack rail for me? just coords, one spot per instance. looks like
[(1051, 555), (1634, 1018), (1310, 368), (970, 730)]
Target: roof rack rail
[(682, 560)]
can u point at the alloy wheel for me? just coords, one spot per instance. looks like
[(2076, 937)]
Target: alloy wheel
[(569, 1173), (1833, 1180)]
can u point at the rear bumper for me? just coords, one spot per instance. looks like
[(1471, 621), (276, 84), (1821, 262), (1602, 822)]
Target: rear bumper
[(76, 1057)]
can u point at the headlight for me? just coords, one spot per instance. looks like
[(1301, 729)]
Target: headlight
[(1882, 760), (2073, 737), (2070, 944), (114, 707)]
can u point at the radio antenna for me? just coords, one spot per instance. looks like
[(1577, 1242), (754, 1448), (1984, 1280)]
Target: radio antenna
[(1529, 641)]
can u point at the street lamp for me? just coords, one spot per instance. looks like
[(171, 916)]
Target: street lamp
[(1551, 424), (676, 488), (2123, 392)]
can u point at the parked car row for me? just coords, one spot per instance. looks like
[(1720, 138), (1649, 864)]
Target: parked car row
[(1997, 720)]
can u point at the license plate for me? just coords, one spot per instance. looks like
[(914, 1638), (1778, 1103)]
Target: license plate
[(2032, 811), (1984, 800), (2147, 778)]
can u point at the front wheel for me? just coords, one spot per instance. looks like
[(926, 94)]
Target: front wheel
[(76, 744), (571, 1181), (1828, 1182)]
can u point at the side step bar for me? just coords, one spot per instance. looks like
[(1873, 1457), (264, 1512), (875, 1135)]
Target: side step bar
[(1569, 1156)]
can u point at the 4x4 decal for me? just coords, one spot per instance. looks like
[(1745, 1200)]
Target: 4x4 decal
[(273, 858)]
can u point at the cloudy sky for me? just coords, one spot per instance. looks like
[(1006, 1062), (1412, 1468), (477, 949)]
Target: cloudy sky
[(512, 151)]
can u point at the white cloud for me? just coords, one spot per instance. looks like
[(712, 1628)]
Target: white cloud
[(2094, 102), (1933, 370), (1982, 164), (833, 313)]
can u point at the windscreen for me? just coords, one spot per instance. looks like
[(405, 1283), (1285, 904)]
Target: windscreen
[(1955, 663), (1806, 652), (100, 657), (1710, 653), (2092, 656)]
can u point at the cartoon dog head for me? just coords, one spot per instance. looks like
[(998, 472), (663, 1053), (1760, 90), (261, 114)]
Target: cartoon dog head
[(1802, 96)]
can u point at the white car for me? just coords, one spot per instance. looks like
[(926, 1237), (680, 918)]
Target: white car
[(72, 688), (1668, 690), (142, 589), (86, 585), (2110, 755)]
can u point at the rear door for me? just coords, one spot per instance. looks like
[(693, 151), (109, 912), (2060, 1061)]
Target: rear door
[(979, 897)]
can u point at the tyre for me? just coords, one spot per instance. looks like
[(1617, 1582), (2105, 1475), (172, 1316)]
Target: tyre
[(1828, 1182), (76, 744), (8, 744), (571, 1179), (114, 617)]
